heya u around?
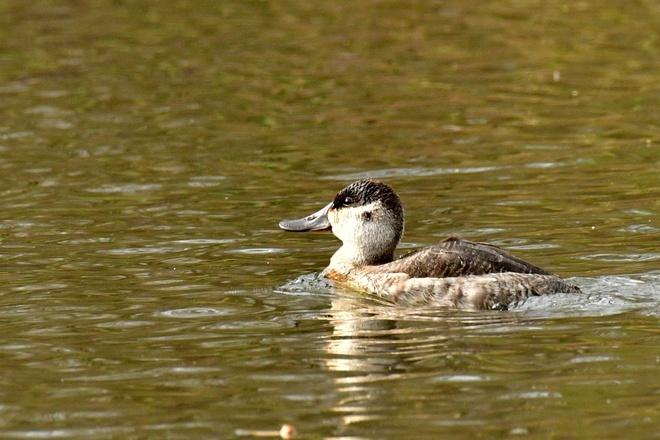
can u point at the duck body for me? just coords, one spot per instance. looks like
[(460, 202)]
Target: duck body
[(367, 216)]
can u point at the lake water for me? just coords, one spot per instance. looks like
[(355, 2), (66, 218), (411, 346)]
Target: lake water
[(149, 149)]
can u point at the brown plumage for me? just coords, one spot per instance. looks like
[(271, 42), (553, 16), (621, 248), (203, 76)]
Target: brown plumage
[(455, 257)]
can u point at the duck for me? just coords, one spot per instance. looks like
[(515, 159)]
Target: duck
[(367, 216)]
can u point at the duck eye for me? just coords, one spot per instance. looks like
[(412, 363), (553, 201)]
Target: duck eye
[(343, 200)]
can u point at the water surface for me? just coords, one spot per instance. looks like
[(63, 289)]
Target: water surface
[(149, 149)]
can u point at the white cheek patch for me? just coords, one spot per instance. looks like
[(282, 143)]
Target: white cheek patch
[(367, 210), (350, 221), (367, 220)]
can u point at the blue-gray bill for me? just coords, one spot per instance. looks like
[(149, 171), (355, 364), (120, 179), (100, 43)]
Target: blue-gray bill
[(314, 222)]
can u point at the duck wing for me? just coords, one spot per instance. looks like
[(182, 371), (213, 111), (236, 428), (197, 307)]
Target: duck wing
[(456, 257)]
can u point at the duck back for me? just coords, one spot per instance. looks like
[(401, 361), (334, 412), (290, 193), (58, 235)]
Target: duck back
[(456, 257)]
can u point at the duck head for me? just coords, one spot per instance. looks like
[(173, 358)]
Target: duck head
[(367, 216)]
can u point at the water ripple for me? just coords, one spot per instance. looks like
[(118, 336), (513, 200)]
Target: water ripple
[(71, 432), (194, 312), (46, 286), (460, 378), (639, 229), (411, 172), (129, 188), (622, 258), (205, 181), (590, 359), (257, 251), (527, 395), (139, 250), (207, 241)]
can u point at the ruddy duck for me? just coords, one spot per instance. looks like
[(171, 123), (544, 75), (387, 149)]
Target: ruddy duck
[(367, 216)]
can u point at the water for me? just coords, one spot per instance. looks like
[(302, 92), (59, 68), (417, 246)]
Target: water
[(148, 151)]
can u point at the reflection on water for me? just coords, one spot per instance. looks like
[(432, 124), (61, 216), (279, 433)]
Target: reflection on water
[(148, 149), (443, 353)]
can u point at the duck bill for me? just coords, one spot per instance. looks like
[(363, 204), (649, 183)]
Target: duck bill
[(314, 222)]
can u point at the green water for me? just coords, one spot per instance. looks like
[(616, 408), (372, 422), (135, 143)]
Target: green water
[(149, 149)]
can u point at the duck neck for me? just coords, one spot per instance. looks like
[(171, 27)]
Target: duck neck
[(349, 257)]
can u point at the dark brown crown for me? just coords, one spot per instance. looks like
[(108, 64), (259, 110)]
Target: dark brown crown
[(367, 191)]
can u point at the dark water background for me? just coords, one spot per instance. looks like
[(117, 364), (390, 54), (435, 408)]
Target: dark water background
[(148, 150)]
